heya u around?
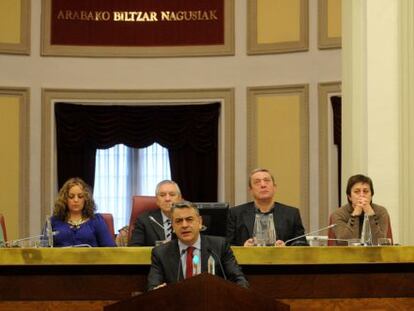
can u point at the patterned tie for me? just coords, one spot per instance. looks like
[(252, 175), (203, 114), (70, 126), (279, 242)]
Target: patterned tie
[(189, 262), (168, 229)]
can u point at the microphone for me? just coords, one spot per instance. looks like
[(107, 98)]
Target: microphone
[(156, 222), (309, 233), (219, 261), (13, 243), (179, 264)]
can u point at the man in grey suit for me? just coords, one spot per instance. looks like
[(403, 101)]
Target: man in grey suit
[(156, 225), (191, 253), (241, 219)]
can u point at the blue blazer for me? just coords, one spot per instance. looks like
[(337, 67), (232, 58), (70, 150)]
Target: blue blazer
[(93, 232)]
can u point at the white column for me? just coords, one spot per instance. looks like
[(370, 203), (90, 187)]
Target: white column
[(371, 99), (407, 121), (354, 71)]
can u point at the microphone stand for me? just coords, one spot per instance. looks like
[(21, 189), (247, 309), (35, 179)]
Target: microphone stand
[(156, 222), (12, 243), (310, 233)]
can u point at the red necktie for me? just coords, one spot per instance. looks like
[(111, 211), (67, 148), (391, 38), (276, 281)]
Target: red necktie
[(189, 262)]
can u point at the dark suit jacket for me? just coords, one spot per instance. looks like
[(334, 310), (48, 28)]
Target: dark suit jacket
[(240, 223), (166, 266), (146, 232)]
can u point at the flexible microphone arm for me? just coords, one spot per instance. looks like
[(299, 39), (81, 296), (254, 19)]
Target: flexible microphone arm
[(219, 261), (156, 222), (310, 233), (13, 242)]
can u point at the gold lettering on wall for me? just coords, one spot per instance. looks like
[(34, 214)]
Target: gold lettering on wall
[(135, 16), (189, 15), (138, 16), (84, 15)]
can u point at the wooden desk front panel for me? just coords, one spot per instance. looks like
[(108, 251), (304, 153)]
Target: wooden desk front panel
[(289, 273)]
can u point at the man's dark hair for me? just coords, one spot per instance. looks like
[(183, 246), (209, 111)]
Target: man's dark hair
[(185, 204)]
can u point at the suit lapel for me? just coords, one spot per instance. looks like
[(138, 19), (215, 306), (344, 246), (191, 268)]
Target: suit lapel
[(174, 262), (204, 254), (279, 219), (249, 218)]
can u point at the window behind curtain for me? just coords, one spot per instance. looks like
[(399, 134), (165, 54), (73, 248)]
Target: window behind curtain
[(122, 172)]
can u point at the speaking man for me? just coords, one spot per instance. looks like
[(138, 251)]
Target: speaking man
[(191, 252)]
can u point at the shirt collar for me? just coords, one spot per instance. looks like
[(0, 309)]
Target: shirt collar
[(257, 211), (196, 245), (164, 217)]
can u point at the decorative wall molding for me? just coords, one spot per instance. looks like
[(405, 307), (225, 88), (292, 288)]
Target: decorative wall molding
[(23, 47), (138, 97), (24, 149), (277, 155), (255, 47), (324, 40)]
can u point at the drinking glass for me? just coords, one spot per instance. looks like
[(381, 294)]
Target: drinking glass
[(264, 233)]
